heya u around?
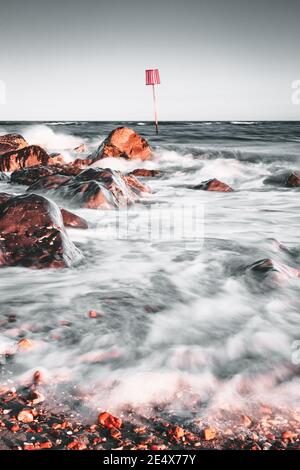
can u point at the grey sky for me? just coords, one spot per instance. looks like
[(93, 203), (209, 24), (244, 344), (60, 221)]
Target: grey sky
[(232, 59)]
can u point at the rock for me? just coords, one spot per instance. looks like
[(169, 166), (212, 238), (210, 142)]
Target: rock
[(246, 421), (213, 185), (109, 421), (267, 265), (94, 314), (25, 344), (293, 181), (30, 175), (98, 188), (25, 157), (143, 172), (209, 434), (123, 142), (33, 235), (9, 142), (4, 197), (81, 148), (136, 185), (73, 220), (25, 416), (48, 182), (3, 176)]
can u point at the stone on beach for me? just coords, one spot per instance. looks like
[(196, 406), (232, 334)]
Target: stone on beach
[(123, 142), (213, 185), (33, 234), (109, 421)]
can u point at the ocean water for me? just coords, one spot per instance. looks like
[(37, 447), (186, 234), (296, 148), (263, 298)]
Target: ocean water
[(183, 324)]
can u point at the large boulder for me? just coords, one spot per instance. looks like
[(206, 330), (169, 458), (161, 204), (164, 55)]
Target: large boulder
[(48, 182), (72, 220), (213, 185), (30, 175), (9, 142), (33, 234), (98, 188), (123, 142), (26, 157)]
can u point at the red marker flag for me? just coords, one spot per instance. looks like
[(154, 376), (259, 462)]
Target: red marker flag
[(153, 78)]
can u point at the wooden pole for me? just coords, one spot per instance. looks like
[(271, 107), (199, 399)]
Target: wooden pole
[(155, 110)]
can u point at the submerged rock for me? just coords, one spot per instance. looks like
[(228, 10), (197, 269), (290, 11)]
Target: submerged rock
[(26, 157), (3, 176), (123, 142), (293, 181), (73, 220), (30, 175), (80, 149), (98, 188), (48, 182), (33, 234), (143, 172), (4, 197), (213, 185), (266, 266), (9, 142)]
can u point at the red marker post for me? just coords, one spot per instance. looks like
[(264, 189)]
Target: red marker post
[(152, 78)]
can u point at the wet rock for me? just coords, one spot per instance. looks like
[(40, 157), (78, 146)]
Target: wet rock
[(266, 266), (136, 185), (4, 197), (73, 220), (123, 142), (209, 434), (33, 235), (143, 172), (30, 175), (98, 188), (213, 185), (48, 182), (25, 416), (25, 344), (81, 148), (109, 421), (293, 181), (9, 142), (3, 176), (26, 157)]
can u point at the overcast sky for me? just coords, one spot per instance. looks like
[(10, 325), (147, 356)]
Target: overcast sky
[(233, 59)]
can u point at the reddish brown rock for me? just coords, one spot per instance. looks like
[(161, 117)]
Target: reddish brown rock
[(143, 172), (25, 416), (109, 421), (98, 188), (293, 181), (9, 142), (25, 157), (48, 182), (209, 434), (266, 266), (123, 142), (73, 220), (30, 175), (213, 185), (136, 185), (33, 235), (4, 197), (81, 148)]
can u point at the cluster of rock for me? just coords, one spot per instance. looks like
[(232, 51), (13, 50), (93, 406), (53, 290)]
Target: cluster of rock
[(32, 227)]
